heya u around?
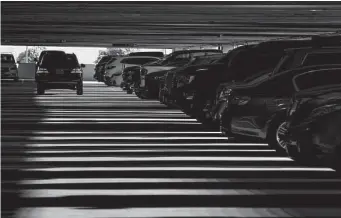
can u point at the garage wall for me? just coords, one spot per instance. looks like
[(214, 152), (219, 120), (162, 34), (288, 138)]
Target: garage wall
[(27, 71), (88, 72)]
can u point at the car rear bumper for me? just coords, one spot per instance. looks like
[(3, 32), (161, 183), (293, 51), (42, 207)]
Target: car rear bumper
[(62, 79), (9, 75)]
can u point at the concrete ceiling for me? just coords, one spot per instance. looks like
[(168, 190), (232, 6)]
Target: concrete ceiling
[(160, 24)]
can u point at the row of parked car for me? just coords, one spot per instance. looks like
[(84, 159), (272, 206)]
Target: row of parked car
[(286, 92)]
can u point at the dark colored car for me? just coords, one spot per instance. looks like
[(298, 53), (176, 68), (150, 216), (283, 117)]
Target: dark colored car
[(312, 134), (198, 88), (148, 88), (147, 53), (260, 110), (169, 81), (131, 76), (100, 68), (293, 58), (59, 70), (9, 68)]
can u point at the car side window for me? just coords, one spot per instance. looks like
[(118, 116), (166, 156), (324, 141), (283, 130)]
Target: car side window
[(138, 61), (318, 78), (279, 86), (322, 58)]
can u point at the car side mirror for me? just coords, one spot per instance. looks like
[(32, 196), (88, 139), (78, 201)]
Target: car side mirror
[(82, 65)]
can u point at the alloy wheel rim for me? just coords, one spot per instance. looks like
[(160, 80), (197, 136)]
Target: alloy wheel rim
[(280, 133)]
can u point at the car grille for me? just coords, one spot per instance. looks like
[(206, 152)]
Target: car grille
[(4, 69)]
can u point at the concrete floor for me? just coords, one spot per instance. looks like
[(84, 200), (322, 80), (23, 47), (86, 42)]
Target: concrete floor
[(109, 154)]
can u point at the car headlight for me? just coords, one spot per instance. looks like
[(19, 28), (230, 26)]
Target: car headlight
[(224, 94)]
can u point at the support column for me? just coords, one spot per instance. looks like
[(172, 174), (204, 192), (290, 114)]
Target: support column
[(26, 55)]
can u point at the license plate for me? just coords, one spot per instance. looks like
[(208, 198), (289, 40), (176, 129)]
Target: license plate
[(59, 71), (142, 84)]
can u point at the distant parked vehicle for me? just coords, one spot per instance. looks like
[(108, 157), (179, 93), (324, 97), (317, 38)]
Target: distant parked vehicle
[(115, 67), (9, 68), (312, 134), (168, 83), (100, 68), (147, 53), (59, 70), (173, 60)]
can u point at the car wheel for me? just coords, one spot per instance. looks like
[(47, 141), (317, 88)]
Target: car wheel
[(40, 89), (275, 136), (80, 88)]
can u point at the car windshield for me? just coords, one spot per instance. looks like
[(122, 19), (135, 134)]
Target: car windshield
[(71, 61), (104, 59), (7, 58), (54, 60)]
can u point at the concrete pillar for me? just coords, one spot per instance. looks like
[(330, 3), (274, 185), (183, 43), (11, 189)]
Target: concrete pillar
[(26, 55)]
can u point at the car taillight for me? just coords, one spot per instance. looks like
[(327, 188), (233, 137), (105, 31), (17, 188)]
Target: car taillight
[(76, 71), (224, 94), (42, 71)]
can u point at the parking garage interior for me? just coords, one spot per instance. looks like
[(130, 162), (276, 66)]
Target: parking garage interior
[(107, 153)]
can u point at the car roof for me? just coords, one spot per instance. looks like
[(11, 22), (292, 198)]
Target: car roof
[(196, 50)]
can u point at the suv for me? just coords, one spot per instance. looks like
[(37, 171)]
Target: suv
[(8, 67), (59, 70)]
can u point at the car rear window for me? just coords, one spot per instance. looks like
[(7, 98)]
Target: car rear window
[(7, 58), (54, 60), (322, 58), (318, 78), (137, 61)]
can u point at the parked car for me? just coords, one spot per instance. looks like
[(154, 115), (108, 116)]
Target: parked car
[(9, 68), (114, 68), (293, 58), (173, 60), (259, 110), (169, 81), (197, 89), (147, 53), (312, 134), (131, 76), (59, 70), (100, 68)]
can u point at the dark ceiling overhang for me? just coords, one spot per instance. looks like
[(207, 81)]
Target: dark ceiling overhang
[(162, 24)]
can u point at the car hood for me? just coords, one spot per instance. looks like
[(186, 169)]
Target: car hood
[(152, 69), (158, 73), (336, 89), (199, 69)]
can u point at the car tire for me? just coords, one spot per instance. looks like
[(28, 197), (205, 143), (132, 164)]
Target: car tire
[(79, 87), (273, 138), (40, 89)]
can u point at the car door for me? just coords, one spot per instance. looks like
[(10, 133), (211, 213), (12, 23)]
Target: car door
[(253, 108)]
